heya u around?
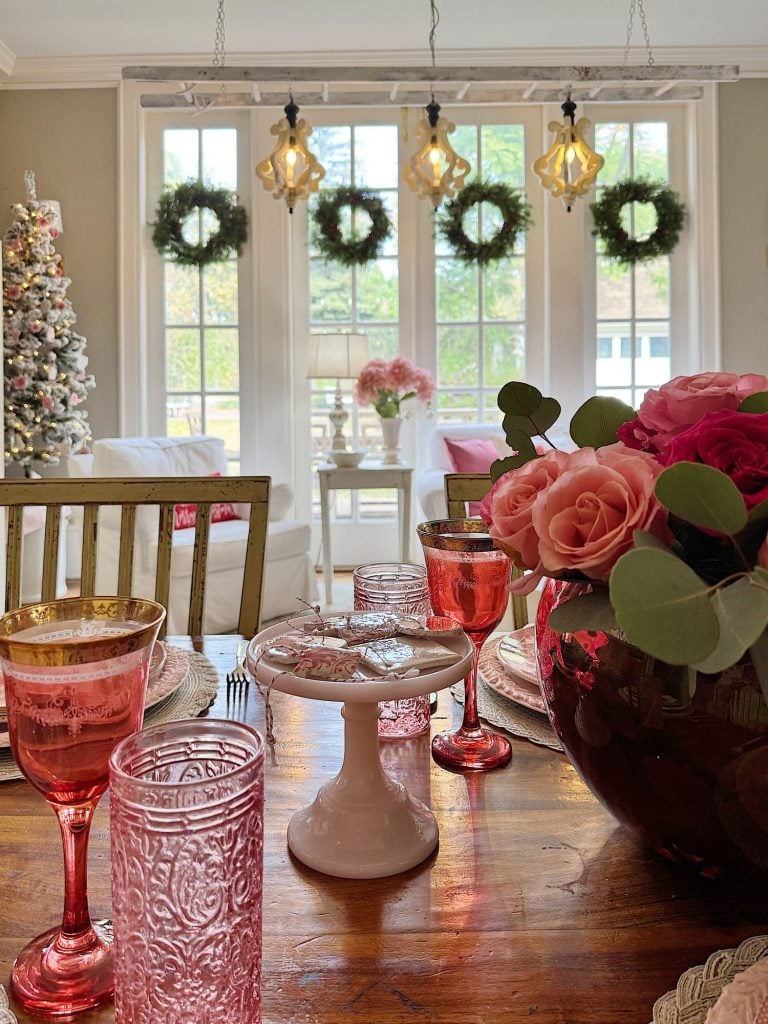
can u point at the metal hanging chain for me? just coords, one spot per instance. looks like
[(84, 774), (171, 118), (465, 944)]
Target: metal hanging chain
[(644, 23), (435, 21), (219, 56)]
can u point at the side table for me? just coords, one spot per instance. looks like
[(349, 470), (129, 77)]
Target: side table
[(367, 475)]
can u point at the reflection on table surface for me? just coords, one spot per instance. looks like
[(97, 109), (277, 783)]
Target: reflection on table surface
[(536, 906)]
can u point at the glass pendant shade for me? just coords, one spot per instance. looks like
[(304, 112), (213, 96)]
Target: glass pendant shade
[(569, 167), (435, 171), (290, 171)]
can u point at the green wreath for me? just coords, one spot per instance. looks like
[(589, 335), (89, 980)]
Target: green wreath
[(328, 236), (670, 214), (175, 206), (514, 209)]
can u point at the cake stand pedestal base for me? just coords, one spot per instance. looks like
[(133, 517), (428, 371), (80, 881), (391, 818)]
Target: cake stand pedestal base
[(362, 824)]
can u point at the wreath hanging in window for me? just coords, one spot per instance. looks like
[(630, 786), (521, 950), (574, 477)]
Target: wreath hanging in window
[(176, 205), (516, 219), (670, 215), (355, 250)]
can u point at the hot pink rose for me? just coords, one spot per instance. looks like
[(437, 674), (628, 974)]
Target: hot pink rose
[(508, 507), (736, 443), (677, 405), (585, 520)]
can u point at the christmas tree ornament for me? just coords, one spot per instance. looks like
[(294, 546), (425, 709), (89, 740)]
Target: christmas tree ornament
[(45, 379)]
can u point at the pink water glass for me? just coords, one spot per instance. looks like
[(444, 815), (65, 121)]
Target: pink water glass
[(396, 587), (187, 853), (75, 675)]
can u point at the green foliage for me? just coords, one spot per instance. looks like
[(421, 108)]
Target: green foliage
[(177, 204), (702, 496), (755, 403), (742, 613), (663, 606), (521, 443), (591, 612), (595, 423), (357, 249), (516, 219), (617, 243), (526, 409)]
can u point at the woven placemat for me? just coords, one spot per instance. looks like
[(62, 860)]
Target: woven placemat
[(193, 696), (513, 718), (700, 987)]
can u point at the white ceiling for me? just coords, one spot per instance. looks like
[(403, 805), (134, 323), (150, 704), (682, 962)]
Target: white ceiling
[(131, 30)]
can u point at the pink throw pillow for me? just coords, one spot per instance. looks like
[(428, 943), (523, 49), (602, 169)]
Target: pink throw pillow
[(184, 515), (472, 455)]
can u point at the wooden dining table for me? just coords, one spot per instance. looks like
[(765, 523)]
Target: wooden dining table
[(536, 906)]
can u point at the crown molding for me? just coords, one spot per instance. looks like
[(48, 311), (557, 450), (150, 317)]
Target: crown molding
[(92, 72), (7, 59)]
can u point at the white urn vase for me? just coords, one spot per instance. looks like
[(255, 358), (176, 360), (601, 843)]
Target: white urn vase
[(390, 429)]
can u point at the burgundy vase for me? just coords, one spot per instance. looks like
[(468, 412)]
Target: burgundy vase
[(681, 758)]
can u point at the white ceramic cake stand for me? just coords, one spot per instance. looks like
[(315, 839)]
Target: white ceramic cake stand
[(361, 824)]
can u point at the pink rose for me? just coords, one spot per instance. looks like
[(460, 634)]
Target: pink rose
[(585, 520), (508, 507), (675, 406), (736, 443)]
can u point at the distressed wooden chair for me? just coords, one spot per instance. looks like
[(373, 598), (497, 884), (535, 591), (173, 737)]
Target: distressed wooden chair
[(130, 496), (461, 488)]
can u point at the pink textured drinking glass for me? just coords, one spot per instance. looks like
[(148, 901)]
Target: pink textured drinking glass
[(75, 679), (396, 587), (468, 581), (187, 832)]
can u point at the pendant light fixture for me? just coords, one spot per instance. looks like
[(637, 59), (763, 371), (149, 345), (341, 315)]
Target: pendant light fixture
[(291, 171), (569, 167), (435, 171)]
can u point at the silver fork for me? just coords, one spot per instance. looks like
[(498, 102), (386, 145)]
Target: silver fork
[(238, 680)]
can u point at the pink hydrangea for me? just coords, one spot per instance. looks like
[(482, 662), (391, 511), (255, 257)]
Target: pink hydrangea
[(681, 402), (386, 384)]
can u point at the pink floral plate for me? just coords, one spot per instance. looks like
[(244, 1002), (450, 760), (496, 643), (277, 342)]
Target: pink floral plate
[(508, 667), (167, 671)]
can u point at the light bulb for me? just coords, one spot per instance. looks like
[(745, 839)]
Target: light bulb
[(434, 154), (290, 156), (570, 154)]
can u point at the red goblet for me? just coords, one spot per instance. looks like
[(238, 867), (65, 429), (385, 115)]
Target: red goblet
[(468, 580), (75, 680)]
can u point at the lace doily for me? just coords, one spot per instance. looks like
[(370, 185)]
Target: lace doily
[(190, 699), (6, 1017), (699, 987), (513, 718)]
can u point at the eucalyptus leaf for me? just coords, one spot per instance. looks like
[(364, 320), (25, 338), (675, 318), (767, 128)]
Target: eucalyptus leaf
[(703, 496), (595, 423), (663, 606), (644, 539), (742, 612), (759, 513), (758, 652), (755, 403), (526, 409), (591, 611), (525, 450)]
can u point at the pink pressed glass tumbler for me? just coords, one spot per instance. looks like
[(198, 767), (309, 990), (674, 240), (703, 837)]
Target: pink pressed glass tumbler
[(396, 587), (187, 851)]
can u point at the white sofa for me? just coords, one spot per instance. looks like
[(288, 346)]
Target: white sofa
[(289, 575), (430, 481)]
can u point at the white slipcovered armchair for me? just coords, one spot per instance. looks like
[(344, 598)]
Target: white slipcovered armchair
[(289, 575)]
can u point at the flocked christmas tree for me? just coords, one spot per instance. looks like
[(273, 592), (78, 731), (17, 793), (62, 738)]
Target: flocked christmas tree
[(45, 361)]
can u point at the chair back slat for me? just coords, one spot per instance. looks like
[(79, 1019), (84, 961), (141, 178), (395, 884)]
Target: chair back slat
[(13, 558), (90, 540), (125, 564), (461, 488), (129, 495), (199, 561), (51, 552)]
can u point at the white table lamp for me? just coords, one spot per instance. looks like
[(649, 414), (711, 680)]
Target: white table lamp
[(342, 356)]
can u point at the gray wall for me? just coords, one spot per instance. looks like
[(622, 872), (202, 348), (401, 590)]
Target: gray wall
[(68, 137), (744, 224)]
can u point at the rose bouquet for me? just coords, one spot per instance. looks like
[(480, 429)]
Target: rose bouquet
[(664, 511), (385, 385)]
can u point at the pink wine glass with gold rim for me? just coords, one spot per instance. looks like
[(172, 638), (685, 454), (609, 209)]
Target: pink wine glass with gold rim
[(75, 679), (468, 581)]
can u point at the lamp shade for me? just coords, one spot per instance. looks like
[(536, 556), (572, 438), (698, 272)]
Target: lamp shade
[(337, 355)]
